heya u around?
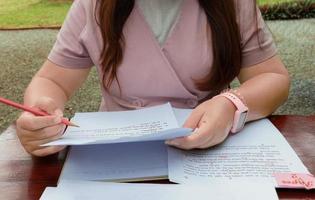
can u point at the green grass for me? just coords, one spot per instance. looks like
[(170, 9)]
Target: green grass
[(270, 2), (32, 13), (43, 13)]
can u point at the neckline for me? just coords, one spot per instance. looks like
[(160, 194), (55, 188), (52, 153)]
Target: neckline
[(172, 29)]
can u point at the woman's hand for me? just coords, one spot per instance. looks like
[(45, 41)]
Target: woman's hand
[(34, 131), (212, 121)]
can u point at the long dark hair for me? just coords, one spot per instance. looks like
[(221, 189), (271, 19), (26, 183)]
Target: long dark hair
[(221, 15)]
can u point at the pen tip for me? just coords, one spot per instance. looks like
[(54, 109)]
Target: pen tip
[(73, 124)]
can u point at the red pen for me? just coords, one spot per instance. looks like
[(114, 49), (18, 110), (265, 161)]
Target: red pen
[(32, 110)]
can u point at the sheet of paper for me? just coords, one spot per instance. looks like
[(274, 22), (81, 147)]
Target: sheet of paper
[(255, 153), (116, 191), (149, 124), (119, 162), (52, 193), (181, 115)]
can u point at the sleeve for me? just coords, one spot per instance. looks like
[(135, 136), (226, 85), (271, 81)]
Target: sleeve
[(69, 50), (256, 40)]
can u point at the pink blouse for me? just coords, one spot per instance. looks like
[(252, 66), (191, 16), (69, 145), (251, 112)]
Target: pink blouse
[(151, 74)]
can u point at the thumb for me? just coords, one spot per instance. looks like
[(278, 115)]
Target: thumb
[(193, 119)]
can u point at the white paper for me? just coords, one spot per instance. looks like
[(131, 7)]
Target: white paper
[(181, 115), (148, 124), (52, 193), (253, 154), (116, 191), (116, 162)]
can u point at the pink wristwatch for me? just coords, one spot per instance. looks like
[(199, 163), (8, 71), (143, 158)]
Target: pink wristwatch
[(241, 113)]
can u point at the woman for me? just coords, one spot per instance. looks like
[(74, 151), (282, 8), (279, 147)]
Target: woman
[(149, 52)]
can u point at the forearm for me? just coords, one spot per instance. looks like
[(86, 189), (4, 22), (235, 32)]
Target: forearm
[(264, 94), (55, 82), (43, 87)]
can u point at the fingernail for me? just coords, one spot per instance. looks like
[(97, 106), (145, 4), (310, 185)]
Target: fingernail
[(196, 130)]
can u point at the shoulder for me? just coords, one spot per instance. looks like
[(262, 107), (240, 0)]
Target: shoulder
[(86, 4), (245, 9), (248, 17), (84, 8), (80, 15)]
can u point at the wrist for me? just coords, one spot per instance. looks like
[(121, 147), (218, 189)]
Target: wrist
[(228, 109), (240, 110), (228, 105)]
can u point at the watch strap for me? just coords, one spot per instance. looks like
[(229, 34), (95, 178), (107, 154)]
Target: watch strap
[(241, 112)]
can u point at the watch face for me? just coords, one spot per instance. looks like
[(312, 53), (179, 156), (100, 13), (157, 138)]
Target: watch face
[(242, 120)]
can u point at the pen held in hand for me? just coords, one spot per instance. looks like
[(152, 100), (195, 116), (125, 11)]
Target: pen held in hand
[(34, 111)]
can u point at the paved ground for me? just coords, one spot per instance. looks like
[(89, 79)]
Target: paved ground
[(296, 43), (23, 52)]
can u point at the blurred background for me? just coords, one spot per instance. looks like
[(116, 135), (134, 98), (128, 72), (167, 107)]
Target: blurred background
[(28, 29)]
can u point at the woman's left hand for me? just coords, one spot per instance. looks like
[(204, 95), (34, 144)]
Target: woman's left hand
[(212, 121)]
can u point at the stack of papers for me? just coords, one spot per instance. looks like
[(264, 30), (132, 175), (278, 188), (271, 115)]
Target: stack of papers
[(129, 146), (150, 124), (80, 190), (256, 153)]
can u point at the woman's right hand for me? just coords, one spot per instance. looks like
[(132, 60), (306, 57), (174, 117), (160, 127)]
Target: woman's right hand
[(34, 131)]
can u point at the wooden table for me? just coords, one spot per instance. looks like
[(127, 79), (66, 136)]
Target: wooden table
[(24, 177)]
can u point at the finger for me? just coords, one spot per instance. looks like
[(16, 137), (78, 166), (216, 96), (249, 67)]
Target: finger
[(191, 122), (37, 143), (190, 142), (28, 121), (219, 135), (198, 138), (193, 119), (47, 151), (217, 139), (45, 133), (46, 104), (32, 146)]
